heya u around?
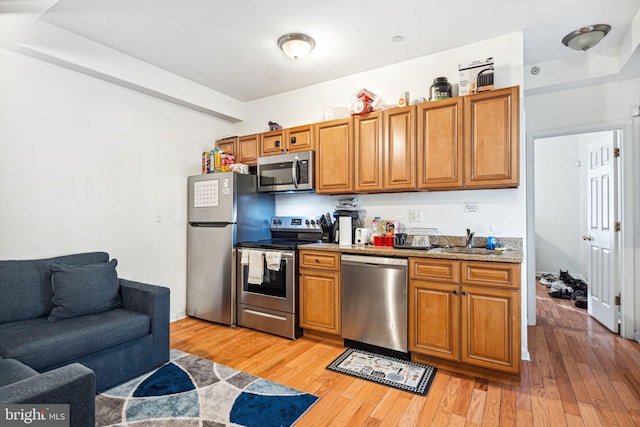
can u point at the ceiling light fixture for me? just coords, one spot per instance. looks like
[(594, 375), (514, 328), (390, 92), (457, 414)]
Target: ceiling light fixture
[(586, 37), (296, 45)]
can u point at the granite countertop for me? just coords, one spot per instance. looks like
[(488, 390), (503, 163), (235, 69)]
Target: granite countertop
[(511, 255)]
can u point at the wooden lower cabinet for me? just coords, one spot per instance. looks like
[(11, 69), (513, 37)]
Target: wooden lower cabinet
[(320, 291), (490, 328), (433, 304), (465, 325)]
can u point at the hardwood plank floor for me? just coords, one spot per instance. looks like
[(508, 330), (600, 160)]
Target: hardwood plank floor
[(580, 374)]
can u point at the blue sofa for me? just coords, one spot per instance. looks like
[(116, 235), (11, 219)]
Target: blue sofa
[(63, 338)]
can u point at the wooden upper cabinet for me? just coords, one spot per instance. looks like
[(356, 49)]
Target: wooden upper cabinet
[(247, 148), (368, 154), (492, 139), (228, 144), (399, 144), (299, 138), (272, 143), (440, 138), (290, 140), (334, 156)]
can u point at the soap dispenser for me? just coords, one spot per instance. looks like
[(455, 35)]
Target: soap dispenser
[(491, 239)]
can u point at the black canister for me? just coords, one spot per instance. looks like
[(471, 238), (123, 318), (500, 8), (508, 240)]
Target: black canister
[(440, 89)]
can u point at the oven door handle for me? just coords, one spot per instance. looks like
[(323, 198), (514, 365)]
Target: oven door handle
[(294, 171), (258, 313)]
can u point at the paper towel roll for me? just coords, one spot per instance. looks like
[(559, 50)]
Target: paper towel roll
[(345, 231)]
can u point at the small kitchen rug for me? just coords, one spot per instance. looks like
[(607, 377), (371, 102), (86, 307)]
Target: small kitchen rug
[(389, 371), (190, 391)]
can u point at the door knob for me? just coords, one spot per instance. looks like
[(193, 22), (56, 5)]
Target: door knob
[(587, 237)]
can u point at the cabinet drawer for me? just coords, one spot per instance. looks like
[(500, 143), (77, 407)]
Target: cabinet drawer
[(320, 260), (493, 274), (434, 269)]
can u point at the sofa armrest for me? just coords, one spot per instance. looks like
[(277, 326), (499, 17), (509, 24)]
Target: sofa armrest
[(73, 384), (153, 301)]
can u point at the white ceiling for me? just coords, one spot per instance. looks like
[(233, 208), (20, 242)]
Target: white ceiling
[(230, 46)]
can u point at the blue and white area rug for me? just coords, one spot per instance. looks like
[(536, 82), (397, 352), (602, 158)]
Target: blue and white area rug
[(389, 371), (190, 391)]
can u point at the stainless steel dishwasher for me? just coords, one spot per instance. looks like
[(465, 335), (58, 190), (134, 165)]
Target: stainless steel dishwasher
[(374, 301)]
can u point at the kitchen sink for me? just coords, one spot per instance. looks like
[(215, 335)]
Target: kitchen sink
[(462, 250)]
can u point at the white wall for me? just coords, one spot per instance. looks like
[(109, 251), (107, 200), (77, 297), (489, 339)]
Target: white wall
[(86, 165), (559, 206)]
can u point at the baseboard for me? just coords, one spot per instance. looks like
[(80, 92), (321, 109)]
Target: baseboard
[(555, 273), (525, 355), (177, 316)]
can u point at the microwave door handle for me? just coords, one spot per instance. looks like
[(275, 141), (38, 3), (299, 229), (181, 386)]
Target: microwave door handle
[(294, 172)]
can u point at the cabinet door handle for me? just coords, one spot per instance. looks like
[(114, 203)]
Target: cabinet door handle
[(277, 143), (293, 139), (464, 293), (454, 292)]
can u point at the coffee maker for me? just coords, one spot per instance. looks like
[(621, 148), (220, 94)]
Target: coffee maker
[(356, 222)]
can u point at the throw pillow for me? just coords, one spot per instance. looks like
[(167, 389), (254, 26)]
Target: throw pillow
[(83, 289)]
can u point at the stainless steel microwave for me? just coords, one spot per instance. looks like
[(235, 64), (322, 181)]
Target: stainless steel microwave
[(286, 172)]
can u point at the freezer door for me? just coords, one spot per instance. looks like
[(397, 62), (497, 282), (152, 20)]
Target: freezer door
[(212, 198), (210, 273)]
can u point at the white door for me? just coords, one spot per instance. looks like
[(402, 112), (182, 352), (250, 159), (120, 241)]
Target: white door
[(602, 238)]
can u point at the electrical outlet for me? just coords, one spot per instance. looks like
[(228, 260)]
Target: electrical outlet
[(415, 215), (471, 207)]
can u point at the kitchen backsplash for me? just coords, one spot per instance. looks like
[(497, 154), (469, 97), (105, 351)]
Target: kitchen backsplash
[(442, 210)]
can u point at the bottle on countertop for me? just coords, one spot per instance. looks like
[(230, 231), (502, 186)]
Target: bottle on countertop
[(491, 239), (374, 229)]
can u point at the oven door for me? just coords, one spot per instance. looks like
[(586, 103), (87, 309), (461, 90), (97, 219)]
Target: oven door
[(277, 290)]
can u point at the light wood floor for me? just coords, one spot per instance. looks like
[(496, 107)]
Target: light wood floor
[(580, 374)]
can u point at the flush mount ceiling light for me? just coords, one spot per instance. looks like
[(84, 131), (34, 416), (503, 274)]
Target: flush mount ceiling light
[(586, 37), (296, 45)]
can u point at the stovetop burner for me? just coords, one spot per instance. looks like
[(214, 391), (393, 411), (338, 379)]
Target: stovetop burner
[(276, 243), (289, 232)]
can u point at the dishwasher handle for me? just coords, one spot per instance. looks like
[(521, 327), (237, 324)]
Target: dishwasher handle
[(373, 260)]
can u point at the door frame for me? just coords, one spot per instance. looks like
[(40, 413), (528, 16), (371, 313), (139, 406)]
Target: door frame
[(626, 174)]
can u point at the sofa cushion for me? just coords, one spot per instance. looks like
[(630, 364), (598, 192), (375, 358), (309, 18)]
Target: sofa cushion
[(25, 285), (12, 371), (83, 289), (43, 345)]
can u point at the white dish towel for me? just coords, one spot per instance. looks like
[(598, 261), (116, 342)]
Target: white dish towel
[(256, 267), (244, 258), (273, 260)]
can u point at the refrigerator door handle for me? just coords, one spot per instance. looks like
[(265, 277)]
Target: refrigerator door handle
[(210, 224)]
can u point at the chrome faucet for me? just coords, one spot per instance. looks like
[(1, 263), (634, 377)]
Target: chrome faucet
[(469, 238)]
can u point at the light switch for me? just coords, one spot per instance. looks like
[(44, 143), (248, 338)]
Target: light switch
[(415, 215), (158, 216)]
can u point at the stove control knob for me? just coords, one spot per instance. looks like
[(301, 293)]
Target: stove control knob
[(313, 222), (279, 222), (306, 221)]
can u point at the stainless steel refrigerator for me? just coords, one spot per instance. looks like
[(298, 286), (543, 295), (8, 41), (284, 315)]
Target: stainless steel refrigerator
[(224, 208)]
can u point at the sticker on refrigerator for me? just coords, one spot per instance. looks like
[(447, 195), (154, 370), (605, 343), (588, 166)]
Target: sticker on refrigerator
[(205, 194), (225, 187)]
